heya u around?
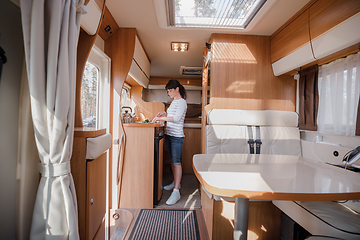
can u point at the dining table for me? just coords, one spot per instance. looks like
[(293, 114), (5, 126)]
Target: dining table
[(272, 177)]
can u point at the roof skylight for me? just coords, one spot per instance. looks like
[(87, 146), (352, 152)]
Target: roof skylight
[(213, 13)]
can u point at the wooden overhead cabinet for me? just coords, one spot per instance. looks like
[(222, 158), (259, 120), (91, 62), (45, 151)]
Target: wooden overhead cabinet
[(316, 19)]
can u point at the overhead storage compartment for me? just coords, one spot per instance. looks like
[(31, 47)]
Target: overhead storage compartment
[(90, 20), (140, 66), (333, 26), (294, 60), (343, 35)]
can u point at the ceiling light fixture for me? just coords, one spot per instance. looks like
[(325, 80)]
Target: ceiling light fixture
[(179, 46)]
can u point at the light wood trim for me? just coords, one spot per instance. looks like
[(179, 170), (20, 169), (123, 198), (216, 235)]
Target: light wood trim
[(138, 169), (85, 44), (201, 224), (243, 78), (161, 168), (207, 206), (120, 171), (96, 190), (326, 14), (107, 21), (291, 38), (276, 196), (185, 81), (191, 146), (148, 109), (142, 125), (204, 97)]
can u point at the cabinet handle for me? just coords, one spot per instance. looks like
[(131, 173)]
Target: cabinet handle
[(92, 201)]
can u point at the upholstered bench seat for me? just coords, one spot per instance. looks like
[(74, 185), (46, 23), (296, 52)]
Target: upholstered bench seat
[(229, 131), (324, 218)]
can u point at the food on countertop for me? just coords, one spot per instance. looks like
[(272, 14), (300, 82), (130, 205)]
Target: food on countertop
[(146, 121)]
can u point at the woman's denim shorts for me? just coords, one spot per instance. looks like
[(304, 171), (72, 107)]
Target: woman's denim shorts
[(174, 147)]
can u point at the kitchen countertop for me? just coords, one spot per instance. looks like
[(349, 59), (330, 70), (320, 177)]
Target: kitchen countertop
[(192, 125), (146, 125), (186, 125)]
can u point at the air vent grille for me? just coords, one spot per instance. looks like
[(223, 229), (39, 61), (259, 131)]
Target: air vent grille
[(190, 70)]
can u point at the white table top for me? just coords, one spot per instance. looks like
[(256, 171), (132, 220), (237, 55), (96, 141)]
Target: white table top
[(275, 177)]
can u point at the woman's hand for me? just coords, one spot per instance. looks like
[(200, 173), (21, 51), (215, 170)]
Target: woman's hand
[(155, 119), (161, 114)]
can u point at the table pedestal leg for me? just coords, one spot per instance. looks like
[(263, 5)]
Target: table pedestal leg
[(241, 218)]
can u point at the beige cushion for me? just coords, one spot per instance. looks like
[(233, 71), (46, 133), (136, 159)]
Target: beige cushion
[(323, 218), (97, 145), (252, 117), (234, 139), (335, 215)]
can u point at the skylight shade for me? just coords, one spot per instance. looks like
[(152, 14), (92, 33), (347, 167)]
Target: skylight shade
[(213, 13)]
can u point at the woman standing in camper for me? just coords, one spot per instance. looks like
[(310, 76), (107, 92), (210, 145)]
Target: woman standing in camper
[(174, 134)]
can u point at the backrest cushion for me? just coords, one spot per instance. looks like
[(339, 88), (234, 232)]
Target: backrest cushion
[(279, 133), (252, 117)]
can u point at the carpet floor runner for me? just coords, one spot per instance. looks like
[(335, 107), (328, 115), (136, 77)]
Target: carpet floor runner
[(165, 224)]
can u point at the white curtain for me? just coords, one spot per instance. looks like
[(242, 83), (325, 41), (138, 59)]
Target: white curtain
[(339, 88), (51, 30)]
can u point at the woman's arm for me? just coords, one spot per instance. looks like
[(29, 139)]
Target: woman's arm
[(167, 119)]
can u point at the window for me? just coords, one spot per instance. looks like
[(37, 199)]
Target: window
[(339, 88), (95, 90), (213, 13), (89, 95)]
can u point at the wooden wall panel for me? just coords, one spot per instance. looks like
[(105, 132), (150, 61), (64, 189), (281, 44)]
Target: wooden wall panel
[(108, 25), (207, 206), (291, 38), (264, 219), (242, 77), (148, 109), (190, 81), (191, 146), (120, 48), (325, 14)]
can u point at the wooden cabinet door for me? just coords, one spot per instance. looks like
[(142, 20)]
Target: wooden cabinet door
[(96, 195), (326, 14), (291, 38)]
